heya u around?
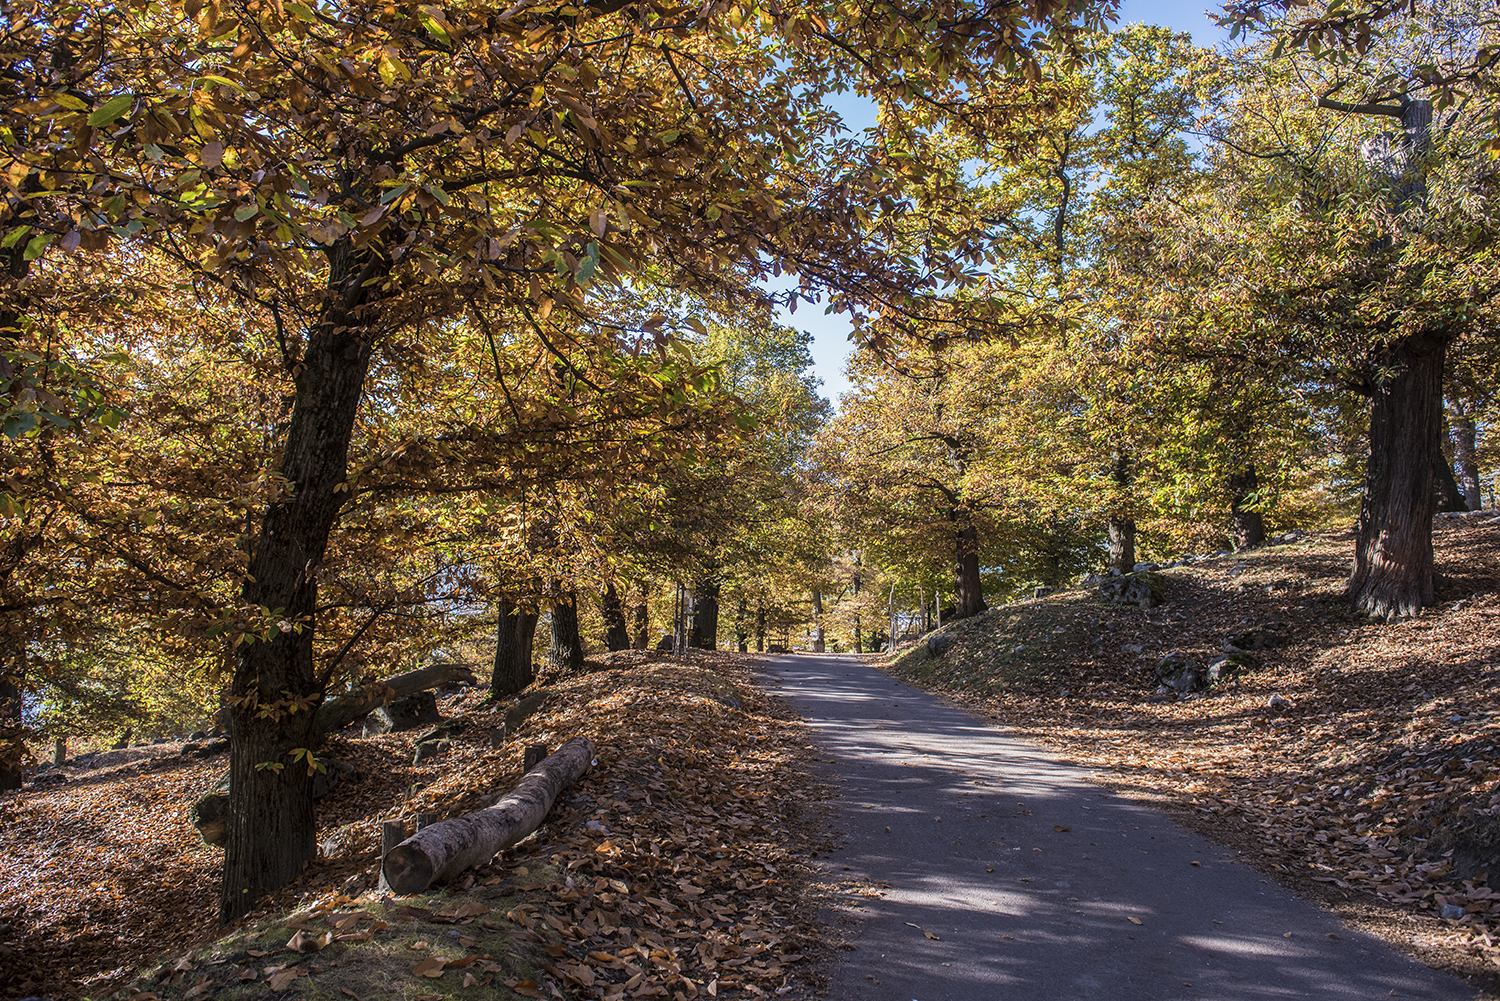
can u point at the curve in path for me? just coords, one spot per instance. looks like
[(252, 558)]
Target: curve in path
[(1011, 876)]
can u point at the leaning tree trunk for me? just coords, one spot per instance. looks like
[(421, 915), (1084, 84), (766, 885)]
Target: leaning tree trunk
[(705, 631), (439, 852), (1247, 526), (1392, 574), (968, 589), (336, 715), (1465, 451), (271, 831), (616, 630), (515, 639), (567, 644)]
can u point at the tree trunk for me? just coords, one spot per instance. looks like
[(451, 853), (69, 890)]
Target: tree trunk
[(1122, 544), (705, 633), (1445, 493), (12, 699), (515, 640), (1247, 526), (968, 590), (616, 630), (859, 639), (566, 653), (819, 642), (1465, 452), (441, 851), (760, 626), (276, 690), (642, 625), (334, 716), (1392, 574), (741, 637)]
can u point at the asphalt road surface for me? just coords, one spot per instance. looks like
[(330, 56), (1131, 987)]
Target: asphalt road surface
[(1011, 876)]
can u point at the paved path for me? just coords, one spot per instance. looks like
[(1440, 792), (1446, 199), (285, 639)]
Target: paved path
[(1011, 877)]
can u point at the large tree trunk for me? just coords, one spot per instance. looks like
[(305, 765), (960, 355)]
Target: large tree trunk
[(276, 690), (336, 715), (1465, 452), (616, 630), (441, 851), (705, 632), (1122, 544), (515, 640), (1392, 574), (1247, 527), (760, 625), (567, 645), (741, 635), (968, 590)]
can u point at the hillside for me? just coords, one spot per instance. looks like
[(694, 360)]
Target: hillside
[(673, 866), (1357, 765)]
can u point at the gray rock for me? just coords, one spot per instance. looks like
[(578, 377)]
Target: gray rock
[(1135, 648), (1231, 666), (1179, 673), (1143, 590), (939, 644), (431, 749), (404, 714), (1266, 637), (1453, 912), (447, 728), (189, 749), (54, 779), (527, 705), (1277, 702), (1146, 567), (666, 644), (1043, 592), (198, 735), (213, 747)]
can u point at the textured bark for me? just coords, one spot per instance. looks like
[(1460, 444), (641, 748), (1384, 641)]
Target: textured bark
[(515, 640), (616, 630), (1392, 575), (968, 590), (1122, 544), (566, 652), (340, 713), (12, 743), (1247, 527), (741, 636), (1445, 493), (705, 631), (1465, 453), (446, 849), (760, 626), (271, 832)]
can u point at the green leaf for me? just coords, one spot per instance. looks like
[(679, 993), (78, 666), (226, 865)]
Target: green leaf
[(435, 28), (246, 212), (301, 13), (394, 193), (14, 236), (110, 110), (37, 245)]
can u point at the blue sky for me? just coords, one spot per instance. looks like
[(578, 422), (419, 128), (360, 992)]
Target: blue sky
[(831, 333)]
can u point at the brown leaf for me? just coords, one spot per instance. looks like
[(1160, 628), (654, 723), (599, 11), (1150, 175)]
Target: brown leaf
[(432, 966), (1134, 920), (282, 979)]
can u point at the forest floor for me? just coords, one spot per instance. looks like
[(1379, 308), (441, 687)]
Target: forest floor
[(674, 868), (1358, 766)]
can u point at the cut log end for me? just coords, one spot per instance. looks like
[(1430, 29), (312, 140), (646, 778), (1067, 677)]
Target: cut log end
[(407, 869)]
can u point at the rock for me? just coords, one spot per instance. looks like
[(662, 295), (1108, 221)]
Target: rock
[(1452, 912), (527, 705), (728, 700), (666, 644), (1146, 567), (213, 747), (189, 749), (54, 779), (1231, 666), (447, 728), (1142, 590), (404, 714), (431, 749), (1043, 592), (334, 774), (1179, 673), (939, 644), (1091, 579), (1266, 637), (1136, 648), (1277, 702), (198, 735)]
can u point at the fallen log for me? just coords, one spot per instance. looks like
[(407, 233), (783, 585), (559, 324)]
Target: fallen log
[(336, 715), (438, 853)]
